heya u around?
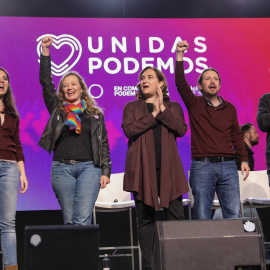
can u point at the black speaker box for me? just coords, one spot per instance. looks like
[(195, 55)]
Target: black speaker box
[(226, 244), (61, 247)]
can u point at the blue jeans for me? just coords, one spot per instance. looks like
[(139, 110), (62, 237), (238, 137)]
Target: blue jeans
[(76, 188), (9, 185), (207, 178)]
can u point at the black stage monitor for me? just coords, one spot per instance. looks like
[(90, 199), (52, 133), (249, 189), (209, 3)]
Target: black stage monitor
[(226, 244), (60, 247)]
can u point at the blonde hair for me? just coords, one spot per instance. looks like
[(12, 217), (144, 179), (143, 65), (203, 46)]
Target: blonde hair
[(91, 106)]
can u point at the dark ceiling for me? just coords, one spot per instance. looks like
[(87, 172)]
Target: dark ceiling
[(137, 8)]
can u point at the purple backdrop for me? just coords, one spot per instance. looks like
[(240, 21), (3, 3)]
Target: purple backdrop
[(109, 53)]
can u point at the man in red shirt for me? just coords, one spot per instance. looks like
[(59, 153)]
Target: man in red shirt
[(214, 130)]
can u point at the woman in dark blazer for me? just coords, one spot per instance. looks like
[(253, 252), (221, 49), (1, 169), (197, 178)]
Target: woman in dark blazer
[(153, 172)]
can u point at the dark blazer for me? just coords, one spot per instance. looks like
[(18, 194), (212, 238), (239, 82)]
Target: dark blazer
[(55, 125), (140, 170)]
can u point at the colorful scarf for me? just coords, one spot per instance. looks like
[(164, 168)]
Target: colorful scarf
[(74, 111)]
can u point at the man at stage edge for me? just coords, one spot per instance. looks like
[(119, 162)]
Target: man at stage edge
[(251, 138), (263, 121), (214, 129)]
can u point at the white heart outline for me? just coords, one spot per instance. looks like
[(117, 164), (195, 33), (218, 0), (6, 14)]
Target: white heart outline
[(59, 70)]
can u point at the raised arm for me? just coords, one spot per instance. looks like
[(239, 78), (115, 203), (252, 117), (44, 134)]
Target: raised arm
[(45, 76), (180, 80)]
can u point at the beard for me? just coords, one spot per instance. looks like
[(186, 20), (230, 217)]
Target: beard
[(254, 142)]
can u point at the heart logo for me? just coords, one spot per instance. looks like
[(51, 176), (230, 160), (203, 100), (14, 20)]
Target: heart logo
[(58, 42)]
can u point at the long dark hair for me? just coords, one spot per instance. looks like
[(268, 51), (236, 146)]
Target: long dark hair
[(9, 100), (161, 78)]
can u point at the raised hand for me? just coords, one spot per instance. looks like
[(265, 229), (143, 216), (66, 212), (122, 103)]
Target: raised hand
[(156, 106), (46, 43), (182, 46), (160, 98)]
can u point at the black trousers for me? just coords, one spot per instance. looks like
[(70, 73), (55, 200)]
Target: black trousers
[(145, 225)]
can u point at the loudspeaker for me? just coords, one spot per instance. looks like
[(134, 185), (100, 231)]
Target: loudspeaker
[(60, 247), (208, 245)]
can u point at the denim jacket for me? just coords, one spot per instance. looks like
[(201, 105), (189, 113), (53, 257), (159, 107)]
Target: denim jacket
[(55, 125)]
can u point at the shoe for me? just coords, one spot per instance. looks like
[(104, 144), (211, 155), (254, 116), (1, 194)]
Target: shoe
[(12, 267)]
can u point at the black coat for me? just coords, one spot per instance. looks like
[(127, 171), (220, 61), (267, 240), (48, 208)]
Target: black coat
[(263, 121)]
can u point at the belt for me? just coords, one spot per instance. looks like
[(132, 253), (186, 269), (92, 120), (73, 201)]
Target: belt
[(70, 161), (213, 159)]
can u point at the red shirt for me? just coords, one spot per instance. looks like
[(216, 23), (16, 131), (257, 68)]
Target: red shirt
[(10, 145), (213, 129)]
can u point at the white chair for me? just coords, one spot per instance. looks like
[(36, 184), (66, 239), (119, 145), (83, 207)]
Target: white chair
[(114, 199), (254, 191)]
